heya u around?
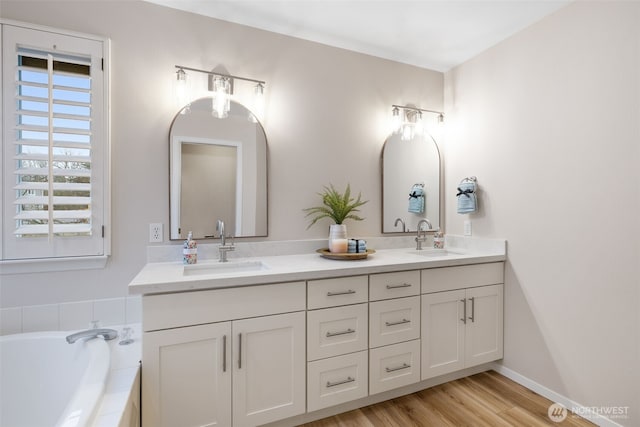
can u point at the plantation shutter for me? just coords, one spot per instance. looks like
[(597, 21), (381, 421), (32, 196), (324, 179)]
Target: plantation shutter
[(53, 145)]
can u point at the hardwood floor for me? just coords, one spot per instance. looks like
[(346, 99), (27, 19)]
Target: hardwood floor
[(486, 399)]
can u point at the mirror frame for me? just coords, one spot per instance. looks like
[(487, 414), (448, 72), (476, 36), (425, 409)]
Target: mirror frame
[(177, 155), (441, 222)]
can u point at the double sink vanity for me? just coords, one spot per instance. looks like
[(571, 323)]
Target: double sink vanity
[(292, 338)]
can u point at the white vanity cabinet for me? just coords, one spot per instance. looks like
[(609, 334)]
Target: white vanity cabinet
[(462, 327), (239, 373)]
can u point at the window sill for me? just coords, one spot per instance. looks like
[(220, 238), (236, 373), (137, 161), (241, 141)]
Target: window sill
[(43, 265)]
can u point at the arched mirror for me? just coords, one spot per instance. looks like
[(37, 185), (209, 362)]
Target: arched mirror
[(410, 170), (218, 171)]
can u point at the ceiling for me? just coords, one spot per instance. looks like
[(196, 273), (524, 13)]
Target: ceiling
[(433, 34)]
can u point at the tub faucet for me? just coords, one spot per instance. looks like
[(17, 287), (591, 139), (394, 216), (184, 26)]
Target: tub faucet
[(107, 334), (422, 234), (223, 248), (399, 220)]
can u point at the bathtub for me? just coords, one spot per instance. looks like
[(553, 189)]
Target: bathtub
[(44, 381)]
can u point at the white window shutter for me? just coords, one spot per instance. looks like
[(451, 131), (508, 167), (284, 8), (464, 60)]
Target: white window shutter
[(55, 145)]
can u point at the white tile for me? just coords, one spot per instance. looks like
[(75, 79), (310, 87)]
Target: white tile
[(109, 312), (40, 318), (10, 320), (133, 310), (76, 315)]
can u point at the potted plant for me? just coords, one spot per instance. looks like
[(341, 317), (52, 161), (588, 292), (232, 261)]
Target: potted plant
[(339, 207)]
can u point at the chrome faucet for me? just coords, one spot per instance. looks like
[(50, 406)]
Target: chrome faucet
[(107, 334), (223, 248), (422, 233), (399, 220)]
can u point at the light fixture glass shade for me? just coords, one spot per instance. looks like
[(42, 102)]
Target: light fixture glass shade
[(407, 132), (396, 120), (419, 124), (221, 101), (258, 103), (182, 91)]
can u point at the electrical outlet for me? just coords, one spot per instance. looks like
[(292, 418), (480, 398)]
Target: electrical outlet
[(155, 232), (467, 228)]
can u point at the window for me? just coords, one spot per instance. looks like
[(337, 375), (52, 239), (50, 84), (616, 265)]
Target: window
[(55, 145)]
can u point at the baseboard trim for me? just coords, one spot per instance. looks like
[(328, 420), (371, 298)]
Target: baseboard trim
[(582, 410)]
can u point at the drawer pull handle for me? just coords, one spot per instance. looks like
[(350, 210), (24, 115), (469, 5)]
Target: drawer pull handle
[(224, 353), (348, 380), (401, 322), (464, 315), (404, 285), (347, 292), (334, 334), (404, 366), (239, 351)]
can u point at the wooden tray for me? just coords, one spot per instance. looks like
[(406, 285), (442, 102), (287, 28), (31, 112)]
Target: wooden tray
[(344, 256)]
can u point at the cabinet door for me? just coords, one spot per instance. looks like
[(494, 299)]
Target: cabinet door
[(268, 368), (186, 377), (484, 331), (442, 333)]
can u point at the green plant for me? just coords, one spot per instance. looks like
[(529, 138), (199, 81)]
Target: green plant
[(339, 207)]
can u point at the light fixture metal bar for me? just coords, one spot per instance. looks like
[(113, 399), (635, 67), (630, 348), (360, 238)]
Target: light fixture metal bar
[(406, 107), (213, 73)]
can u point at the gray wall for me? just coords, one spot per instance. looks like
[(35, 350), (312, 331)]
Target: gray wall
[(327, 113), (549, 122)]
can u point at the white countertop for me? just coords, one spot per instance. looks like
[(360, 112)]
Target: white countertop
[(164, 277)]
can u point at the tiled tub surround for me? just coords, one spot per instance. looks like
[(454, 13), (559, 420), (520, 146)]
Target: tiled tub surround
[(230, 334), (71, 316)]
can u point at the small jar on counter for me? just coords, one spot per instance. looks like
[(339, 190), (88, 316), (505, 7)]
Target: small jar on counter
[(438, 240), (190, 250)]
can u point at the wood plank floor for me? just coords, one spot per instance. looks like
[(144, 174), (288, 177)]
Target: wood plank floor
[(486, 399)]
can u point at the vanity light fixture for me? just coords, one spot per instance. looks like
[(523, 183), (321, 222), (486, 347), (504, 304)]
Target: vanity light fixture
[(408, 121), (222, 87)]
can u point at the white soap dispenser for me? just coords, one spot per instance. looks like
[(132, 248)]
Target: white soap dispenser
[(190, 250)]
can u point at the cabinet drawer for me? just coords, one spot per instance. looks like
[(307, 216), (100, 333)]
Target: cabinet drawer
[(216, 305), (335, 331), (394, 285), (394, 321), (394, 366), (337, 380), (335, 292), (464, 276)]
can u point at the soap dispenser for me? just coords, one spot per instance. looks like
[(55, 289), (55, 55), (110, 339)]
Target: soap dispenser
[(190, 250)]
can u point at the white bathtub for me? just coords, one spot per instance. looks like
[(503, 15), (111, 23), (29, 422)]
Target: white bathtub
[(44, 381)]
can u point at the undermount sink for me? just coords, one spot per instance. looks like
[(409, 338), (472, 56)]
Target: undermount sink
[(229, 267), (433, 253)]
